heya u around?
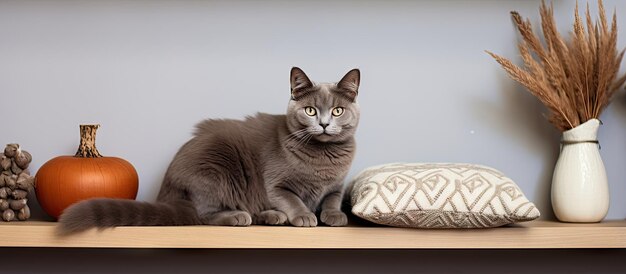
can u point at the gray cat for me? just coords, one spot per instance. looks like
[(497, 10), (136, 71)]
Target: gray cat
[(266, 169)]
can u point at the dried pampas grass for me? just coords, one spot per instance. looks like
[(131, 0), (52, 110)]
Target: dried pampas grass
[(576, 79)]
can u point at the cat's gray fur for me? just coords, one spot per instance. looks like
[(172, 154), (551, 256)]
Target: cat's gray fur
[(266, 169)]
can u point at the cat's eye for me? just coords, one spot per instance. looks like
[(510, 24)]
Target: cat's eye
[(310, 111), (337, 111)]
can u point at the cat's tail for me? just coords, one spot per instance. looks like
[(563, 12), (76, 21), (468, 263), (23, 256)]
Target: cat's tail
[(104, 212)]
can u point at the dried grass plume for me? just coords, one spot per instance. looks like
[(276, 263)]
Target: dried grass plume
[(574, 79)]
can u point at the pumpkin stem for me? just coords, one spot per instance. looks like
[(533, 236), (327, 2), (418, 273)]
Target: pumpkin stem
[(87, 147)]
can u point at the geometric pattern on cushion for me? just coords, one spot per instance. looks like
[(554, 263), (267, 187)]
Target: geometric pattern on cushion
[(438, 195)]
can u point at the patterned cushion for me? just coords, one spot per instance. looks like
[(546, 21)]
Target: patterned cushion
[(438, 196)]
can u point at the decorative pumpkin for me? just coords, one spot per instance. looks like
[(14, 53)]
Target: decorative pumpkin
[(65, 180)]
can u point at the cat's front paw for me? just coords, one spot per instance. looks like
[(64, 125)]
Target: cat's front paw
[(306, 219), (272, 217), (334, 218)]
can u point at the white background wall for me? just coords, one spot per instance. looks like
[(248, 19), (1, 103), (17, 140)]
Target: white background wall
[(147, 71)]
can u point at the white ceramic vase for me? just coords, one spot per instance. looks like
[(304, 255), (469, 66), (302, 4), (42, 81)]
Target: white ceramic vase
[(580, 190)]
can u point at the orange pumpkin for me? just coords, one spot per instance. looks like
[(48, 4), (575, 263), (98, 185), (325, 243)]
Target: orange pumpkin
[(65, 180)]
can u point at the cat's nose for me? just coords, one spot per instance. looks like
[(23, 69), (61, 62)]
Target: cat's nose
[(323, 125)]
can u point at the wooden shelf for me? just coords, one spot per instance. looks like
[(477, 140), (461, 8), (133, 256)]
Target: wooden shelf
[(537, 234)]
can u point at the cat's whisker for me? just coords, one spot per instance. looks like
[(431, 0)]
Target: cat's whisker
[(308, 139), (304, 140), (297, 137), (292, 140), (295, 134), (295, 141), (293, 137)]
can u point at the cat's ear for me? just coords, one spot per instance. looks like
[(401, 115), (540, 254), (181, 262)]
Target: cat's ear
[(349, 84), (300, 83)]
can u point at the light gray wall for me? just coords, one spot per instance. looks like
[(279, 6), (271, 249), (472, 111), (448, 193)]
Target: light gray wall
[(149, 70)]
